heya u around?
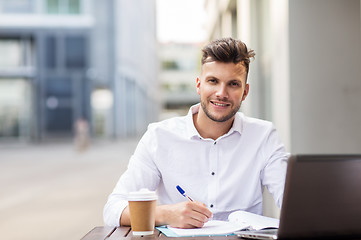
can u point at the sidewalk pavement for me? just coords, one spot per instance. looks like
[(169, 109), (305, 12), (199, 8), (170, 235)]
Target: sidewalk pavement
[(51, 191)]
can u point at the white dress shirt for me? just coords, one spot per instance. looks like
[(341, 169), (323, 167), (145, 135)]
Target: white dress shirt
[(227, 174)]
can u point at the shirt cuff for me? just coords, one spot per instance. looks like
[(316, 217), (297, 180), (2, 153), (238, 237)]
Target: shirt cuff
[(113, 211)]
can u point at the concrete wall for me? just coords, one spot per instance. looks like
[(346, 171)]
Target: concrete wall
[(136, 83), (325, 76), (307, 73)]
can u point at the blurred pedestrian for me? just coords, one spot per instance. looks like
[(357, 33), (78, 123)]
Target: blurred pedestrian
[(81, 134)]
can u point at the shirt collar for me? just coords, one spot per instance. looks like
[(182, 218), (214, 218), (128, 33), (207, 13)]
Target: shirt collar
[(237, 123), (192, 131)]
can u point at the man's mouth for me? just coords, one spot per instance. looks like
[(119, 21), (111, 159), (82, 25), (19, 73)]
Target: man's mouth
[(220, 104)]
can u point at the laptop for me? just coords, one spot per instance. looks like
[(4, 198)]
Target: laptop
[(322, 199)]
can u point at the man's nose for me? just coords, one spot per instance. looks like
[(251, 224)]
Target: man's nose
[(222, 91)]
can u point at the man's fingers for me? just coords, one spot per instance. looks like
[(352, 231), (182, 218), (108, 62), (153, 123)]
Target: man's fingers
[(199, 217), (197, 214), (194, 223), (202, 209)]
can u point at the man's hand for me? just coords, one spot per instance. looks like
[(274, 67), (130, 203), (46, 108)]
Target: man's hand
[(183, 215)]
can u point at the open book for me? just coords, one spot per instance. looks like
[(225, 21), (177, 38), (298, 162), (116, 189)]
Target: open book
[(239, 220)]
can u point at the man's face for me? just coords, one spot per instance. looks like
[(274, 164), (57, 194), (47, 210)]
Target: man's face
[(222, 87)]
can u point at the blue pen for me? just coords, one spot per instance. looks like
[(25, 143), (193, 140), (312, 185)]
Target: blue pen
[(183, 193)]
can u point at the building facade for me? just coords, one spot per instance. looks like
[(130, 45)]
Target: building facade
[(65, 60), (179, 68)]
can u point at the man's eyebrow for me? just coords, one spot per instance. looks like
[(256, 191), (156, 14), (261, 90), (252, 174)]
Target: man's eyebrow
[(211, 76), (236, 80)]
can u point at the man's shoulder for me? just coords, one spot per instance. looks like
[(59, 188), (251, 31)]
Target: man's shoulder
[(173, 124), (255, 123)]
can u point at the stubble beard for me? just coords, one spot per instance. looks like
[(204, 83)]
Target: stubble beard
[(220, 119)]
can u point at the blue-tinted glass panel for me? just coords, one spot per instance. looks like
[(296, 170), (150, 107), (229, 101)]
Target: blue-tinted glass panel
[(18, 6), (50, 52), (75, 52), (59, 87), (52, 6), (74, 6), (59, 119)]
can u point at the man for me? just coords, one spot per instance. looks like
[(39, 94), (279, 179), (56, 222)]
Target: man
[(221, 158)]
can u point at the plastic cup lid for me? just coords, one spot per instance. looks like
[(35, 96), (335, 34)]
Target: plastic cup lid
[(142, 195)]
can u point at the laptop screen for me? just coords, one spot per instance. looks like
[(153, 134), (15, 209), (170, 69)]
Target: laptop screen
[(322, 197)]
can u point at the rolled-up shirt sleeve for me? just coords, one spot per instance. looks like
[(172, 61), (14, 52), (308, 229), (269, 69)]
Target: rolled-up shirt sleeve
[(141, 173), (274, 172)]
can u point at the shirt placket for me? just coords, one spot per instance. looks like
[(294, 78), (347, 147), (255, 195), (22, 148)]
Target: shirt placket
[(213, 171)]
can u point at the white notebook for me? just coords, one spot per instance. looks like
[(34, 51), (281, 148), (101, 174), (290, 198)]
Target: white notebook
[(236, 221)]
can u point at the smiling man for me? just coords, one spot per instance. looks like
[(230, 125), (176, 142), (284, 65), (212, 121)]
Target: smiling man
[(219, 156)]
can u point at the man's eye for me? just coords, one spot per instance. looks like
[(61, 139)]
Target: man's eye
[(212, 80), (235, 84)]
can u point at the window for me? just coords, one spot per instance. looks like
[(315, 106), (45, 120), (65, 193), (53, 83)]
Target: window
[(15, 102), (59, 87), (63, 6), (74, 6), (59, 109), (170, 65), (50, 53), (18, 53), (11, 48), (15, 87), (75, 52), (59, 119), (17, 6), (53, 6)]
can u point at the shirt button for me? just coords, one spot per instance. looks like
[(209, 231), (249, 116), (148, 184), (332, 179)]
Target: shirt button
[(213, 173), (211, 205), (215, 143)]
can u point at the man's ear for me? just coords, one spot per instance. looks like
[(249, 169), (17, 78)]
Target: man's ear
[(198, 84), (246, 91)]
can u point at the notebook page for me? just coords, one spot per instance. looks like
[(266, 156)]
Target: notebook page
[(213, 227), (254, 220)]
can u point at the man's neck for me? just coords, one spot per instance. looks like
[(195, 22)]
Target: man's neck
[(208, 128)]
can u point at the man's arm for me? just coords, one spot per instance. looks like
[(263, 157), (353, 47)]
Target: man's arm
[(274, 173), (141, 173), (182, 215)]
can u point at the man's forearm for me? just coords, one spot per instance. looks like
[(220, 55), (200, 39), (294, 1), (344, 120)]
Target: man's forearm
[(125, 217), (183, 215), (161, 214)]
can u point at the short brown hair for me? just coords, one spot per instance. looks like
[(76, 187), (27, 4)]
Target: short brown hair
[(227, 50)]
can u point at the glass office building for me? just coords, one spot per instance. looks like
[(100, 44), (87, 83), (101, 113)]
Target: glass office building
[(64, 60)]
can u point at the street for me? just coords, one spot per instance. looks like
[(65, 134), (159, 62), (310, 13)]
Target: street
[(51, 191)]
